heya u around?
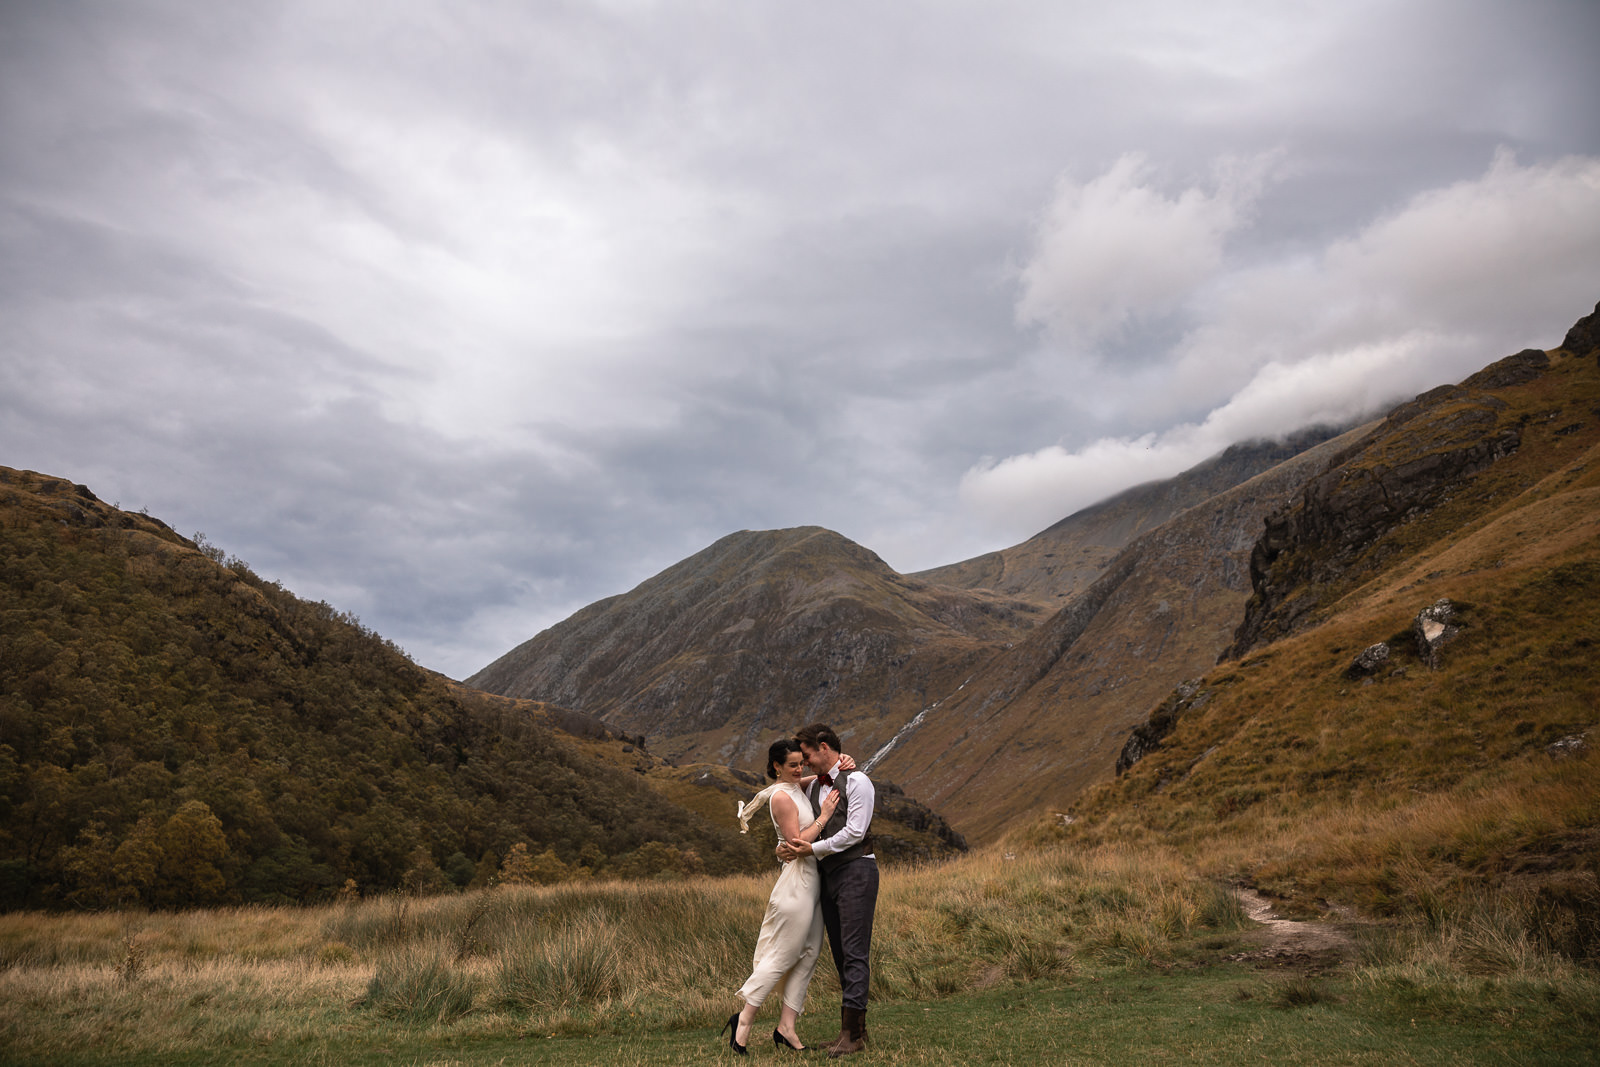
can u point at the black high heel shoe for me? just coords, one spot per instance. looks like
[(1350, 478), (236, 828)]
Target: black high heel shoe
[(780, 1041), (733, 1038)]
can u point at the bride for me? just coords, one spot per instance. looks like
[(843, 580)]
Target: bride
[(791, 931)]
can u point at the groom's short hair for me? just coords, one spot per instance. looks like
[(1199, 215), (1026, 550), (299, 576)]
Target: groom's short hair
[(818, 734)]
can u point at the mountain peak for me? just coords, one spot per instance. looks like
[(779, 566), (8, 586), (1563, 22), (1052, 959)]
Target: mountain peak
[(756, 634)]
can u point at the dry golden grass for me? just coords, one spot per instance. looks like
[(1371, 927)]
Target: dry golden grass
[(565, 959), (1413, 791), (615, 958)]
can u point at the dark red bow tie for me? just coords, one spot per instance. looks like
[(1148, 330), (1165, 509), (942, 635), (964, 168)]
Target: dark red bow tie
[(825, 779)]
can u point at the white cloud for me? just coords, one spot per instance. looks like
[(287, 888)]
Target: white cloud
[(1115, 249), (1484, 267), (1522, 241), (1456, 278)]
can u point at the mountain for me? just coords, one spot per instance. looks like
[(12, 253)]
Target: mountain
[(1044, 719), (997, 712), (1406, 716), (765, 630), (1056, 564), (1345, 523), (175, 730), (757, 634)]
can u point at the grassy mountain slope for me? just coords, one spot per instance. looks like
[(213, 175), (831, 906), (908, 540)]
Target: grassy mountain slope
[(1041, 721), (1412, 787), (761, 632), (175, 730), (1056, 564)]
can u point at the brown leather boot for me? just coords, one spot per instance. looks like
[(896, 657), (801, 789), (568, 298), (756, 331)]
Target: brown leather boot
[(856, 1038), (844, 1030)]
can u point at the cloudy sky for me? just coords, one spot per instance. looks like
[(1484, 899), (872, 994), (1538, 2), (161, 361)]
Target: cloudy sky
[(463, 315)]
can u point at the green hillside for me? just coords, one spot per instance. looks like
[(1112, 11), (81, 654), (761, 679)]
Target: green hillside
[(174, 730)]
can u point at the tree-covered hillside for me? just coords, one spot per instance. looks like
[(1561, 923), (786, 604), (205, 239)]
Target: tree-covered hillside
[(175, 730)]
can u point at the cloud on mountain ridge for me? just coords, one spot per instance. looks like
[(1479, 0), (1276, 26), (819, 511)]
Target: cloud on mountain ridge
[(1457, 276)]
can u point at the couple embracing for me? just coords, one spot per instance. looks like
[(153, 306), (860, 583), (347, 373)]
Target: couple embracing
[(822, 807)]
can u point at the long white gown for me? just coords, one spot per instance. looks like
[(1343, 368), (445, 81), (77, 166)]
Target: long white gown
[(791, 931)]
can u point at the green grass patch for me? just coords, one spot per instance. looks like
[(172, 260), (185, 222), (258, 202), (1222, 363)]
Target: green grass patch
[(1227, 1013)]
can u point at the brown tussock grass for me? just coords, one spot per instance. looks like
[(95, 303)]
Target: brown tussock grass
[(576, 958)]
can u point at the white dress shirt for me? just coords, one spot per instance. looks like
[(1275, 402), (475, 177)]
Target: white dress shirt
[(863, 797)]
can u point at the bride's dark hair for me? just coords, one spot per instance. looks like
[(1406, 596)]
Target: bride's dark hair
[(779, 753)]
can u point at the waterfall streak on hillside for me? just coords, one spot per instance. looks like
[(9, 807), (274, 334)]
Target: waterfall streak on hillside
[(906, 730)]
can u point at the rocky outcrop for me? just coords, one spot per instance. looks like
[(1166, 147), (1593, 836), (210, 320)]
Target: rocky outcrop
[(1525, 366), (1368, 662), (1584, 337), (1434, 627), (1334, 530), (933, 838), (1148, 735), (1571, 745)]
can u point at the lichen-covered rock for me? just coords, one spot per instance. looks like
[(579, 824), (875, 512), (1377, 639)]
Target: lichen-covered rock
[(1434, 627), (1369, 662), (1571, 745)]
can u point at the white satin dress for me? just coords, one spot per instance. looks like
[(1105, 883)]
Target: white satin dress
[(791, 931)]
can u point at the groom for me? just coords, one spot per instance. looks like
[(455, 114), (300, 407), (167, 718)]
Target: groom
[(849, 877)]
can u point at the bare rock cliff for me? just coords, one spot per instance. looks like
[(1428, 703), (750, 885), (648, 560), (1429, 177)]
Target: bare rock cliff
[(1335, 530)]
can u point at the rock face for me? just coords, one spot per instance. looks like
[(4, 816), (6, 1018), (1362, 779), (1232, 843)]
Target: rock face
[(1435, 627), (1335, 530), (1584, 337), (896, 812), (1148, 735)]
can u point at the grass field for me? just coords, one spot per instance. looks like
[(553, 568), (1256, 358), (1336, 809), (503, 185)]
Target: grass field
[(1226, 1014), (1054, 955)]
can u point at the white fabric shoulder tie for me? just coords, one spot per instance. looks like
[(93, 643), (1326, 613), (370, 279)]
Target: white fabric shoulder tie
[(748, 808)]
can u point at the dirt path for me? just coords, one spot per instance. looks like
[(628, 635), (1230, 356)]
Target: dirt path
[(1289, 942)]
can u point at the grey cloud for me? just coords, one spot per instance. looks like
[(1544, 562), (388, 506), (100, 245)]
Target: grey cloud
[(462, 316)]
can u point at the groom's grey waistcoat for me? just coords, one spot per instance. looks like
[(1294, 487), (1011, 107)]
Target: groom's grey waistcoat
[(835, 823)]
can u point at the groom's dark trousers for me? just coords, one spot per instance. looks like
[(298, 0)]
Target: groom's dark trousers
[(849, 901)]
